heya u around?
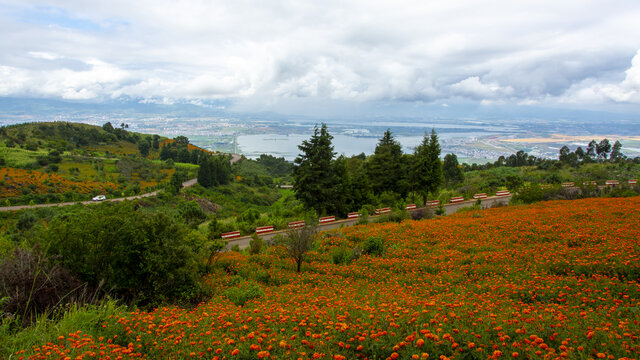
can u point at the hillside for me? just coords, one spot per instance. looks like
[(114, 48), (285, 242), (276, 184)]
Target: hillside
[(61, 161), (554, 279)]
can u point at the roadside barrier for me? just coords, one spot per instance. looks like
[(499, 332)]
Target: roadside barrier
[(327, 219), (296, 224), (231, 235), (612, 182), (353, 215), (264, 229), (568, 184), (411, 207), (633, 181), (590, 183), (545, 186), (456, 199), (433, 202), (383, 211), (480, 196), (503, 193)]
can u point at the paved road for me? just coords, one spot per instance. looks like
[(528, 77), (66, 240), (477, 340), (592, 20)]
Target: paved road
[(187, 183), (243, 241), (234, 159)]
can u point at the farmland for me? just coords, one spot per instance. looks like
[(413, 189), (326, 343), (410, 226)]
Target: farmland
[(551, 280)]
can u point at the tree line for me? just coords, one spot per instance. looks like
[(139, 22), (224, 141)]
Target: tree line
[(337, 185)]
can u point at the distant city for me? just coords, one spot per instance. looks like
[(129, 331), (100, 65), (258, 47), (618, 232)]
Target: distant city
[(472, 139)]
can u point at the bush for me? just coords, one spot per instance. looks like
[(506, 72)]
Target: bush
[(33, 284), (244, 292), (341, 255), (424, 213), (255, 244), (373, 246), (144, 258)]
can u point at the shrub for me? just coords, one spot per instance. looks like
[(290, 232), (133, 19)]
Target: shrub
[(255, 244), (33, 283), (144, 258), (424, 213), (373, 246), (244, 292), (341, 255)]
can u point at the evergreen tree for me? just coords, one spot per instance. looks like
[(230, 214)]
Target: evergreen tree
[(427, 171), (451, 169), (385, 166), (314, 178), (206, 176), (580, 154)]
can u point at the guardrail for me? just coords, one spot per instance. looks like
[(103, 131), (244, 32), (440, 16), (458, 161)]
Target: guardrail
[(411, 207)]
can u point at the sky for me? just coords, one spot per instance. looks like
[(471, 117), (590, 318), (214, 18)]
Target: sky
[(297, 56)]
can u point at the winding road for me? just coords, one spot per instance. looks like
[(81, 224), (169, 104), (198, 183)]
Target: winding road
[(234, 159)]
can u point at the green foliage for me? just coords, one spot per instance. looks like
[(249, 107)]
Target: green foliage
[(299, 241), (244, 292), (385, 167), (143, 257), (214, 170), (427, 167), (529, 194), (315, 179), (452, 170), (250, 216), (192, 213), (341, 255), (373, 245), (255, 244)]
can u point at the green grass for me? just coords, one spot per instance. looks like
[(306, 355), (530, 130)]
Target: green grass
[(20, 158), (48, 327)]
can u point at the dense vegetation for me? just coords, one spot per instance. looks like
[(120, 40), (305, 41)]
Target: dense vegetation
[(555, 279), (87, 267)]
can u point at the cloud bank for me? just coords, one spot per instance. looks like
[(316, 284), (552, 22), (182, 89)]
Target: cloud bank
[(256, 52)]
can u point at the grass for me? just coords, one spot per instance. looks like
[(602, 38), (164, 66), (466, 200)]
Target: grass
[(17, 157), (50, 326)]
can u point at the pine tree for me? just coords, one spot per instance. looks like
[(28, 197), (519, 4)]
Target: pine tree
[(314, 179), (427, 169), (385, 166)]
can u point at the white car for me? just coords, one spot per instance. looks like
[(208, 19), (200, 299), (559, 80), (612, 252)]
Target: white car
[(99, 198)]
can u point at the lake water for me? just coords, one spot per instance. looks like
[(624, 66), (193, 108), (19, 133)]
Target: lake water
[(287, 145)]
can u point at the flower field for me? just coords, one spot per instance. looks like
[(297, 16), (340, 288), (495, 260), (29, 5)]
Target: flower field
[(14, 180), (548, 281)]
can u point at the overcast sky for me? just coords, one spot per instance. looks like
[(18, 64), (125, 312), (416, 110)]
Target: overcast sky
[(271, 54)]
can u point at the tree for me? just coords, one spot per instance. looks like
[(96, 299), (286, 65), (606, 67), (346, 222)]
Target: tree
[(299, 241), (155, 144), (182, 140), (314, 178), (616, 153), (107, 127), (143, 147), (603, 149), (427, 170), (591, 150), (580, 154), (385, 166), (175, 183), (564, 154), (451, 169)]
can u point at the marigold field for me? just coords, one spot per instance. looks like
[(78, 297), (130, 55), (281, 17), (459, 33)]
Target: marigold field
[(548, 281)]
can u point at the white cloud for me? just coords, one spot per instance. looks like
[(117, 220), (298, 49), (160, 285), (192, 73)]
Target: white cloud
[(524, 52), (473, 88), (593, 90)]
